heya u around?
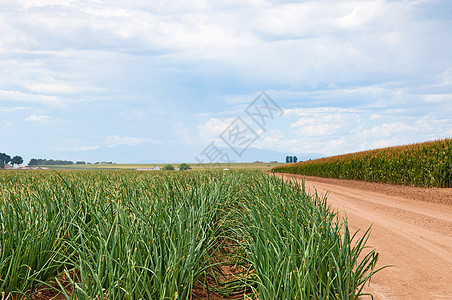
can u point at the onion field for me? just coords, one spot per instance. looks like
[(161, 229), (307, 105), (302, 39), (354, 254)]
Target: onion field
[(426, 164), (173, 235)]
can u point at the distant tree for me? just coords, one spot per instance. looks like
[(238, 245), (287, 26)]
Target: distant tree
[(290, 159), (33, 162), (39, 161), (287, 160), (2, 164), (168, 167), (184, 166), (295, 159), (17, 160), (5, 158), (80, 163)]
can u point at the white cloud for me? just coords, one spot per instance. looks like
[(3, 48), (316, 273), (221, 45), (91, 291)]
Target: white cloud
[(18, 96), (318, 130), (448, 133), (180, 130), (49, 86), (13, 109), (213, 128), (332, 130), (324, 121), (439, 98), (383, 143), (388, 130), (59, 88), (5, 123), (359, 14), (363, 90), (84, 148), (404, 131), (324, 112), (28, 4), (446, 78), (307, 42), (37, 118), (351, 74)]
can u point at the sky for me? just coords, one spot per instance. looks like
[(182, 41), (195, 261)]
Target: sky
[(170, 81)]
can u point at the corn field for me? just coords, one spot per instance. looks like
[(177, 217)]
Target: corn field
[(425, 164), (166, 235)]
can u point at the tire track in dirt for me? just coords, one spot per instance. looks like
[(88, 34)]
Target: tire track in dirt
[(411, 232)]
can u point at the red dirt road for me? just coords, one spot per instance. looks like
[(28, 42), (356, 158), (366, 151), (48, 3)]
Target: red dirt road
[(411, 229)]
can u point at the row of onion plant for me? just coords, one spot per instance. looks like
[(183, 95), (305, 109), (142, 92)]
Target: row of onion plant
[(167, 235)]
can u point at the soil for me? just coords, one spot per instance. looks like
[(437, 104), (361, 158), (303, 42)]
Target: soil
[(411, 229)]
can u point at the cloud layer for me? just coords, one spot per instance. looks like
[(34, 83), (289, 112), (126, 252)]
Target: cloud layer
[(79, 76)]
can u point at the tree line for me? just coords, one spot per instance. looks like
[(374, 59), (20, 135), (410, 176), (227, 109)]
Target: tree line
[(49, 162), (6, 159)]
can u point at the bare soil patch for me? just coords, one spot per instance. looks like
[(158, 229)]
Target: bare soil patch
[(411, 229)]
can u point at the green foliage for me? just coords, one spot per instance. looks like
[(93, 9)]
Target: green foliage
[(168, 167), (17, 160), (5, 158), (49, 162), (184, 167), (426, 164), (157, 235), (296, 247), (126, 234)]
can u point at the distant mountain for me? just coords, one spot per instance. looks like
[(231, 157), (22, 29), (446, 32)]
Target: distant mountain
[(168, 153)]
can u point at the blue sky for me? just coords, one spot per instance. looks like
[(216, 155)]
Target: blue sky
[(151, 81)]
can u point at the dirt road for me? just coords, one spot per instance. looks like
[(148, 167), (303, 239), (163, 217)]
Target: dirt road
[(411, 229)]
